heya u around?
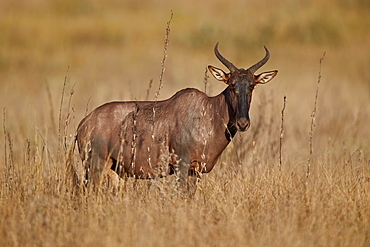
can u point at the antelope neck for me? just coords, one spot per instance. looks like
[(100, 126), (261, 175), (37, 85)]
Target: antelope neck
[(231, 129)]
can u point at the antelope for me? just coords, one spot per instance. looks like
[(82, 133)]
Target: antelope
[(183, 135)]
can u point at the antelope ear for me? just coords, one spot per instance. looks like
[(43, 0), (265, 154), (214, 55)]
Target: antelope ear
[(219, 74), (265, 77)]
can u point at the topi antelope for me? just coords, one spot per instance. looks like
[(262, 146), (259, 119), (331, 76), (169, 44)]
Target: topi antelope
[(182, 135)]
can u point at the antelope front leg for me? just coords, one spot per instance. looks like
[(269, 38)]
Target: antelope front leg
[(187, 180), (192, 185), (182, 176)]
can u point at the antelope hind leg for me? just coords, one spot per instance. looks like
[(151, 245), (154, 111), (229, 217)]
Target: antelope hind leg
[(115, 182), (95, 166)]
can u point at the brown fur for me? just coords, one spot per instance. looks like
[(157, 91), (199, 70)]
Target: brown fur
[(184, 134)]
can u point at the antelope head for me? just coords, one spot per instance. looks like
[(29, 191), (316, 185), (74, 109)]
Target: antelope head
[(241, 83)]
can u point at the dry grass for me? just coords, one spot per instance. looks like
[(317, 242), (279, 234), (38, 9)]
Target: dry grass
[(258, 194)]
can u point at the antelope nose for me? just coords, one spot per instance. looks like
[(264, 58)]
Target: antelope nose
[(243, 124)]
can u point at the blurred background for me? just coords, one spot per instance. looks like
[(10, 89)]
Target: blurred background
[(111, 50)]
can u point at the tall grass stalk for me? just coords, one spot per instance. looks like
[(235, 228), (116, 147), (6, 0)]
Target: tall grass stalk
[(160, 85), (313, 119), (60, 117), (281, 135)]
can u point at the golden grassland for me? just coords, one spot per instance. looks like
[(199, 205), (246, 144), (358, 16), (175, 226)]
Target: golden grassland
[(60, 59)]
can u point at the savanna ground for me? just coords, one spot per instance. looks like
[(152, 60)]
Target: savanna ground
[(60, 59)]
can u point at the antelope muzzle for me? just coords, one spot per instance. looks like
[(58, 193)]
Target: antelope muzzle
[(243, 124)]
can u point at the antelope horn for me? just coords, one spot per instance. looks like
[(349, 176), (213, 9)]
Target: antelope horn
[(223, 60), (258, 65)]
